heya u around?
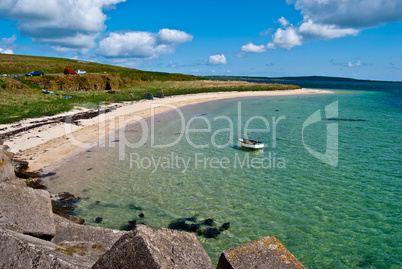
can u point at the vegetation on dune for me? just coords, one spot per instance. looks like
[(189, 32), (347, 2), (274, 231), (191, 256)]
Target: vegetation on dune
[(22, 97), (19, 64), (30, 103), (178, 87), (98, 77)]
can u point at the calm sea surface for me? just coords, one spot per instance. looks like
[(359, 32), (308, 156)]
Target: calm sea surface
[(336, 210)]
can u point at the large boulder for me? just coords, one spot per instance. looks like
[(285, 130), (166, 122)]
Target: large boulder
[(26, 210), (24, 251), (95, 239), (265, 253), (145, 247), (6, 167)]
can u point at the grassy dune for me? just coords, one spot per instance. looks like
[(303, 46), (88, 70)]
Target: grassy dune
[(22, 97), (26, 102)]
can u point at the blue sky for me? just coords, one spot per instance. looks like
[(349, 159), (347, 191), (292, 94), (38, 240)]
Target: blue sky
[(348, 38)]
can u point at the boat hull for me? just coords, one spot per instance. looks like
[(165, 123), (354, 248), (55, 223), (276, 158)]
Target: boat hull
[(251, 144)]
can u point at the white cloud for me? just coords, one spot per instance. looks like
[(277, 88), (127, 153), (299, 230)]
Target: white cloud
[(174, 36), (6, 51), (287, 38), (63, 24), (7, 44), (137, 44), (324, 31), (358, 63), (328, 19), (284, 22), (267, 32), (8, 41), (217, 59), (250, 47), (357, 14)]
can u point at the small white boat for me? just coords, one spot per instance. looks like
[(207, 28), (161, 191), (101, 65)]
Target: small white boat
[(252, 144)]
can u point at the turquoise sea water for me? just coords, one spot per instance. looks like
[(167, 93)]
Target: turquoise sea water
[(344, 215)]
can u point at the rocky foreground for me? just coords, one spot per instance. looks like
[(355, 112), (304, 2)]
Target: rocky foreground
[(33, 234)]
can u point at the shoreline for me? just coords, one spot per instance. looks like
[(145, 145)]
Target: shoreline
[(47, 140)]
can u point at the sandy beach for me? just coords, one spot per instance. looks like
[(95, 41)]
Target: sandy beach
[(47, 140)]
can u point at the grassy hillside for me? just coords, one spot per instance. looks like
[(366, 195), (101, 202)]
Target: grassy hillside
[(101, 76), (18, 64), (21, 97)]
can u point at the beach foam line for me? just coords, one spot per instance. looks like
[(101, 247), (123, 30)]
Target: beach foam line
[(50, 143)]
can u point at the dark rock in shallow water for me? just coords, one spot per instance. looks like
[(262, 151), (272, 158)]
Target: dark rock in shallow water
[(131, 224), (141, 215), (71, 218), (194, 227), (193, 219), (98, 220), (64, 202), (178, 225), (131, 206), (182, 225), (209, 222), (190, 225), (209, 232), (224, 226), (68, 197), (343, 119), (367, 262), (34, 184)]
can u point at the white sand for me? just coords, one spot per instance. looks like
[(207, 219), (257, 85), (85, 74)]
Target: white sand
[(45, 145)]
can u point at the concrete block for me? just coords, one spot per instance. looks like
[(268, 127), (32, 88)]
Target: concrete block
[(145, 248), (26, 210), (265, 253)]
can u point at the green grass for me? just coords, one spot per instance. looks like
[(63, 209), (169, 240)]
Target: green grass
[(32, 103), (22, 97), (20, 64)]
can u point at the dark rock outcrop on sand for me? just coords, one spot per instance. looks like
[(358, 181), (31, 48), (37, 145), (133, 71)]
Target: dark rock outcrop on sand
[(64, 202)]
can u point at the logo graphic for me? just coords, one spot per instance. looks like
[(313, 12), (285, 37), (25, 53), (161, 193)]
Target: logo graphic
[(331, 154)]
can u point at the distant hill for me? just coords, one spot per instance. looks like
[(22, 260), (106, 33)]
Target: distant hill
[(300, 78)]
